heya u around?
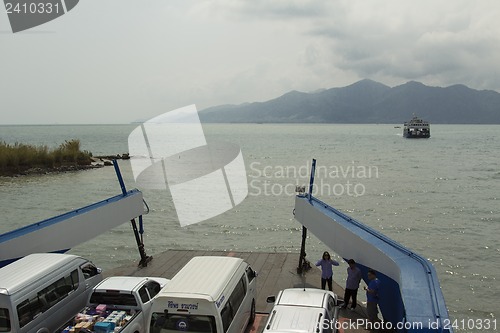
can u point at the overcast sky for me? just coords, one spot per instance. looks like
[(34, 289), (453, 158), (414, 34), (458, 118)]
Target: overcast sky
[(116, 61)]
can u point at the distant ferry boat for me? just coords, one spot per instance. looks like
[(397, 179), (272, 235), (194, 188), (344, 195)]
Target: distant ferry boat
[(417, 128)]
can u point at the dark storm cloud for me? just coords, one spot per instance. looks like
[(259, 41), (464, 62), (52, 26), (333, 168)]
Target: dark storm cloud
[(440, 41)]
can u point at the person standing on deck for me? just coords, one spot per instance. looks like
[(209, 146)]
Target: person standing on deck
[(372, 296), (326, 264), (352, 284)]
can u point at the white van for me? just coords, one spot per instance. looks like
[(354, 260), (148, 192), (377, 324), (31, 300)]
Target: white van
[(209, 295), (41, 292), (303, 310)]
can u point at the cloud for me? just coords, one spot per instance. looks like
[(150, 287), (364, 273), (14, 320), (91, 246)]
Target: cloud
[(148, 59), (392, 40), (406, 40), (263, 9)]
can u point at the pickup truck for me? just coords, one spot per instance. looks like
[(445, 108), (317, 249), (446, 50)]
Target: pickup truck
[(303, 310), (118, 304)]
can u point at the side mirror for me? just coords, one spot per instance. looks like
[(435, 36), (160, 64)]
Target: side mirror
[(271, 299), (340, 303)]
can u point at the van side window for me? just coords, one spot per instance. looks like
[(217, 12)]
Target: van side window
[(4, 320), (153, 288), (89, 270), (25, 311), (143, 293), (331, 305), (226, 316), (243, 281), (233, 303), (73, 279), (238, 295), (30, 308), (250, 274)]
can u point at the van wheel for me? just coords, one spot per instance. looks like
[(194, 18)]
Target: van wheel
[(252, 313)]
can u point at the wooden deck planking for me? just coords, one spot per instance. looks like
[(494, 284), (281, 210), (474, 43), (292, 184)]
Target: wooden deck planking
[(160, 263), (276, 271), (269, 285)]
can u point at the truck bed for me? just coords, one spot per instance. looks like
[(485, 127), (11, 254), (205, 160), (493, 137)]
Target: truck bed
[(93, 319)]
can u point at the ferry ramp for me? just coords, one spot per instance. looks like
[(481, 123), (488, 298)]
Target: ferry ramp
[(410, 294)]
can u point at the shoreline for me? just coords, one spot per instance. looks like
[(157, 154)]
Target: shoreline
[(97, 162)]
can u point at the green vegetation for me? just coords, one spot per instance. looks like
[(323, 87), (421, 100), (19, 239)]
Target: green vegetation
[(18, 157)]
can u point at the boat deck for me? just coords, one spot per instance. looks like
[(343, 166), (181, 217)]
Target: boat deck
[(276, 271)]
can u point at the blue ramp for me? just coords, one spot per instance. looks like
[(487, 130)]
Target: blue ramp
[(411, 297), (60, 233)]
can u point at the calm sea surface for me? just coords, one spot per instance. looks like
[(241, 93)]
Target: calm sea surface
[(440, 197)]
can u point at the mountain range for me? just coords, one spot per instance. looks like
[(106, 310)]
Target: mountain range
[(367, 101)]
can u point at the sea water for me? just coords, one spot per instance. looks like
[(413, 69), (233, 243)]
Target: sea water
[(438, 196)]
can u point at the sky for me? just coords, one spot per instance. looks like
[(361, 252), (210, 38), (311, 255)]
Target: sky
[(118, 61)]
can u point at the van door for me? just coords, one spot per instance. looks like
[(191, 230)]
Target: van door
[(332, 312), (240, 306), (331, 306), (251, 291), (91, 274)]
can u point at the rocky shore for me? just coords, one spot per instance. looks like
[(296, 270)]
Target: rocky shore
[(96, 162), (107, 160)]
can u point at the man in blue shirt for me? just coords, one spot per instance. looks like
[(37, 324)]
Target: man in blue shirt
[(372, 296), (352, 284), (326, 270)]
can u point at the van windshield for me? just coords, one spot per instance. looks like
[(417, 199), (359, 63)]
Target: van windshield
[(173, 323)]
